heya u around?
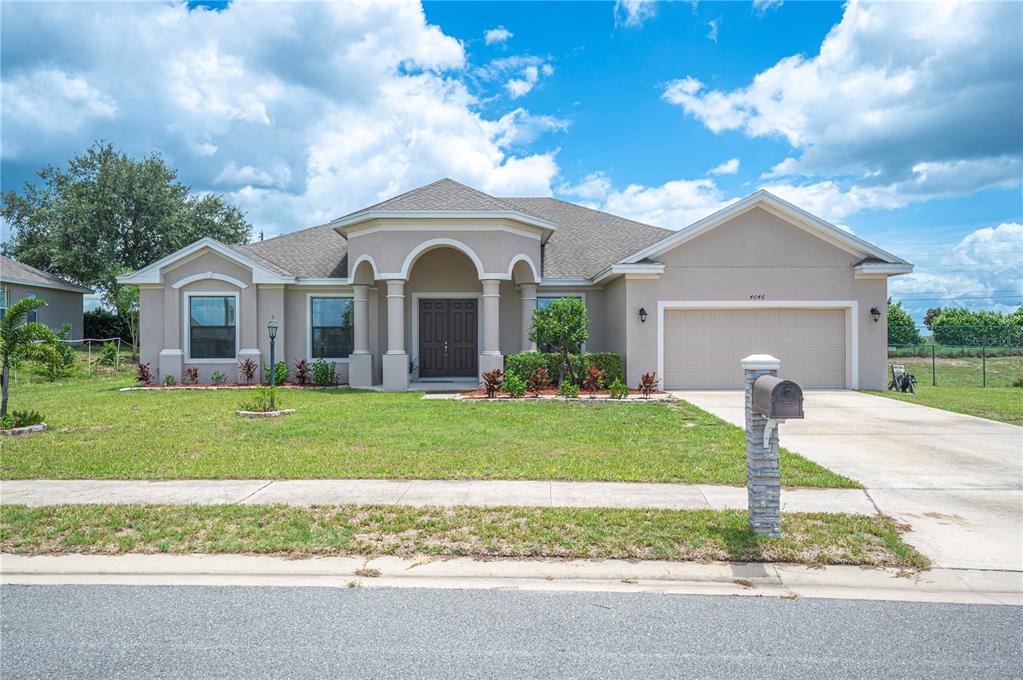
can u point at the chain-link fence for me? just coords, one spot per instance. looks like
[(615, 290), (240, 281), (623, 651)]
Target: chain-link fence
[(960, 365)]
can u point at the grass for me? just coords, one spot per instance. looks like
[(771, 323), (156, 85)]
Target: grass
[(963, 371), (811, 538), (98, 432), (1004, 404)]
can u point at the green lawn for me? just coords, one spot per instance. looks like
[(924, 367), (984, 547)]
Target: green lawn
[(99, 432), (459, 531), (996, 403), (963, 371)]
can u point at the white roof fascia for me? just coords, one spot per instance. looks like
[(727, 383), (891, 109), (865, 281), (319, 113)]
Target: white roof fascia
[(154, 272), (645, 270), (42, 284), (342, 223), (880, 270), (762, 198)]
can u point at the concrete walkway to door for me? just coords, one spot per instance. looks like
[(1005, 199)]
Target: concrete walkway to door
[(956, 480)]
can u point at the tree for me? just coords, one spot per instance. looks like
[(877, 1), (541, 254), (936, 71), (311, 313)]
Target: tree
[(563, 326), (107, 213), (960, 326), (901, 327), (932, 314), (22, 339), (126, 302)]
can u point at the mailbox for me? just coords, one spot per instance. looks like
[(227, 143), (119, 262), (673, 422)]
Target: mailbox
[(777, 399)]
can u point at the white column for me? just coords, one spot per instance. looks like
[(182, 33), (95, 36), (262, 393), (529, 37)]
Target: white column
[(490, 357), (360, 362), (395, 362), (528, 296)]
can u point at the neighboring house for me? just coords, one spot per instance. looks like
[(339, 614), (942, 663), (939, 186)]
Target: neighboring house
[(64, 303), (442, 281)]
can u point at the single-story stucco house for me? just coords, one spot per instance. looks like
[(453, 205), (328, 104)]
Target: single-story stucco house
[(64, 299), (441, 282)]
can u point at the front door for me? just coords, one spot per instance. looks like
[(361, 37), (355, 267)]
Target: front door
[(447, 338)]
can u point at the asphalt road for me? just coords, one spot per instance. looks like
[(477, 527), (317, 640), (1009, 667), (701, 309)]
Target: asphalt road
[(191, 632)]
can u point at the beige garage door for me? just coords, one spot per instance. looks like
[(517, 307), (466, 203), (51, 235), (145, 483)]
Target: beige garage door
[(703, 348)]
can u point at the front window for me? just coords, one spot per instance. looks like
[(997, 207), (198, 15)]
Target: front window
[(31, 316), (3, 302), (212, 327), (332, 327)]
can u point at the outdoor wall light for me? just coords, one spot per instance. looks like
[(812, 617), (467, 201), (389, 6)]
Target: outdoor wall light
[(875, 314), (642, 314)]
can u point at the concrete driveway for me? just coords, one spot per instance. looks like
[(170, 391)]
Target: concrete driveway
[(956, 480)]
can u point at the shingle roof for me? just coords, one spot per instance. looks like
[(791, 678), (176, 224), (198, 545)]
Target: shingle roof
[(586, 241), (444, 194), (12, 269), (317, 253)]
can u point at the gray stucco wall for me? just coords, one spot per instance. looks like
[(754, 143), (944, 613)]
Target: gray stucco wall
[(62, 306), (758, 253)]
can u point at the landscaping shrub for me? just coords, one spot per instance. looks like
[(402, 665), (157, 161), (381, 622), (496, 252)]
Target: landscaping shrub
[(20, 419), (169, 380), (192, 374), (647, 384), (593, 380), (280, 373), (514, 386), (568, 390), (562, 326), (524, 364), (617, 389), (261, 400), (109, 355), (492, 381), (247, 370), (302, 370), (103, 324), (539, 380), (143, 374), (324, 373), (218, 377)]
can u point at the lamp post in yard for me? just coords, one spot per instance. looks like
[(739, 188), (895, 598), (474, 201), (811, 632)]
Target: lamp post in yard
[(271, 330)]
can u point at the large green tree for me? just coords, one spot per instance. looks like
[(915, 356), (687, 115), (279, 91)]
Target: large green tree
[(107, 213), (901, 327)]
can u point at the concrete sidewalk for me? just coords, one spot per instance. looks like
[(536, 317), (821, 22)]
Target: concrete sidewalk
[(306, 492), (720, 578)]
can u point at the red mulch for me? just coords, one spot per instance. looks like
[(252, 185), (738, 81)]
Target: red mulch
[(583, 394)]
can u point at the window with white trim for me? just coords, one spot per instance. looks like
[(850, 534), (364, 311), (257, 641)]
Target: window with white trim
[(331, 327), (212, 327), (3, 301)]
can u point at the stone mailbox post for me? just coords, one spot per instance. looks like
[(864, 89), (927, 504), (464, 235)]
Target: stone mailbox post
[(769, 401)]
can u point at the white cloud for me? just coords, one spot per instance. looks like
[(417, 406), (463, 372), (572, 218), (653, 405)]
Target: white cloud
[(763, 6), (51, 101), (729, 167), (982, 271), (633, 13), (712, 29), (526, 70), (497, 35), (900, 101), (310, 110), (594, 187)]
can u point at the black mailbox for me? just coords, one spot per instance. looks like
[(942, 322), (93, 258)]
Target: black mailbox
[(776, 398)]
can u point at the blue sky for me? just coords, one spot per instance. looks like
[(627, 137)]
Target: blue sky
[(902, 122)]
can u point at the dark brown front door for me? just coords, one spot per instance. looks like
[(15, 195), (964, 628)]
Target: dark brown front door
[(447, 338)]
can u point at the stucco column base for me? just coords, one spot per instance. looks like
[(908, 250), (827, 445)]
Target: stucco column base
[(395, 372), (489, 362), (171, 363), (360, 370)]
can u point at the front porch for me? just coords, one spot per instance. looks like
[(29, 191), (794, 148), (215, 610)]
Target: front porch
[(445, 320)]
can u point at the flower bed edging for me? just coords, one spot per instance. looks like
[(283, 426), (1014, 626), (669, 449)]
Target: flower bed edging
[(601, 399), (28, 429), (266, 414), (286, 386)]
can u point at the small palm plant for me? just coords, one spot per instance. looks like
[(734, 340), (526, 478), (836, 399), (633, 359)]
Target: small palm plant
[(22, 339)]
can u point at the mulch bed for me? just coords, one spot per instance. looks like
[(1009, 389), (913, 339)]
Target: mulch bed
[(230, 386), (552, 394)]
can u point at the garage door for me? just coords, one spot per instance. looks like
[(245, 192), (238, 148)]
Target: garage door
[(703, 347)]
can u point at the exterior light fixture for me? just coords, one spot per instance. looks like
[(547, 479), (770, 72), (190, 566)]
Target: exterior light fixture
[(642, 314), (271, 330), (875, 314)]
